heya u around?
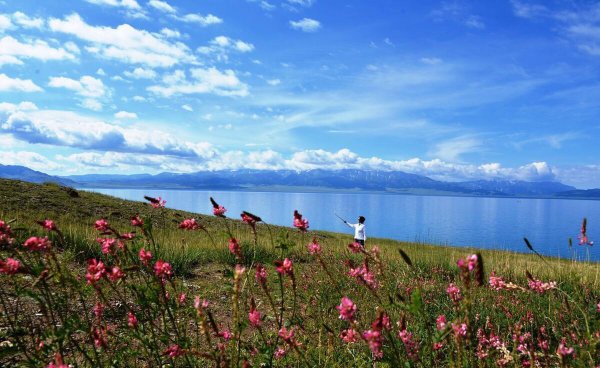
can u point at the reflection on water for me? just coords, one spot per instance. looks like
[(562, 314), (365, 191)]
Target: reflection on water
[(499, 223)]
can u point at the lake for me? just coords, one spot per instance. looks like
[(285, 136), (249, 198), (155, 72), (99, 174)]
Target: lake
[(498, 223)]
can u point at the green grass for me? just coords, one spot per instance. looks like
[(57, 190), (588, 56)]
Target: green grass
[(75, 215)]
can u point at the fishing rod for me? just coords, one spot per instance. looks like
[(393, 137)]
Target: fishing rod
[(339, 217)]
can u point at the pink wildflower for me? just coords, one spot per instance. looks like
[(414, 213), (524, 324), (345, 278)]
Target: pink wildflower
[(410, 345), (98, 310), (115, 274), (598, 307), (226, 335), (200, 304), (5, 233), (145, 256), (460, 330), (106, 244), (285, 267), (48, 225), (163, 269), (454, 293), (496, 282), (349, 336), (355, 247), (181, 299), (132, 320), (261, 275), (10, 266), (37, 243), (190, 224), (365, 276), (95, 271), (254, 317), (280, 353), (314, 247), (234, 247), (218, 210), (137, 221), (99, 335), (347, 308), (174, 351), (300, 223), (101, 225), (541, 287), (250, 219), (287, 336), (563, 351), (375, 341), (156, 202), (472, 261), (57, 362), (440, 322)]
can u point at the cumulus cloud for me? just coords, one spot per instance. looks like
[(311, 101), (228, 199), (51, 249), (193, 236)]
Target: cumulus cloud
[(141, 73), (210, 80), (125, 115), (220, 46), (202, 20), (67, 129), (306, 25), (162, 6), (170, 33), (5, 22), (129, 4), (304, 3), (33, 49), (8, 84), (7, 107), (187, 108), (29, 159), (27, 22), (88, 87), (124, 43)]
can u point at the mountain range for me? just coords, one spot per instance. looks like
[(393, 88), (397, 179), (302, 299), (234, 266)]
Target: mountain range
[(310, 180)]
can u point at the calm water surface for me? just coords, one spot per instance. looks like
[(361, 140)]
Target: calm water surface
[(499, 223)]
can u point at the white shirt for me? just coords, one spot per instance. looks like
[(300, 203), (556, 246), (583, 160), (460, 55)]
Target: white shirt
[(359, 231)]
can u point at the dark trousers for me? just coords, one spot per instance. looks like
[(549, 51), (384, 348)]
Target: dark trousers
[(360, 241)]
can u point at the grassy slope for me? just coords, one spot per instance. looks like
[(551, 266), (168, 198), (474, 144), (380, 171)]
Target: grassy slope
[(75, 215)]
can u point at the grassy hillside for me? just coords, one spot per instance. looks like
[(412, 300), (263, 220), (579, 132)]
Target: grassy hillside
[(534, 314)]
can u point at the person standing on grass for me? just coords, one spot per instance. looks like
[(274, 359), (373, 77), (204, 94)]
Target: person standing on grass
[(360, 235)]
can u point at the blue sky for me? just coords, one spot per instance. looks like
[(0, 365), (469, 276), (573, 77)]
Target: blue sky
[(453, 90)]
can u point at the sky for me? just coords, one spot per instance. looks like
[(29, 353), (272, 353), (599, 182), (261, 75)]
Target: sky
[(454, 90)]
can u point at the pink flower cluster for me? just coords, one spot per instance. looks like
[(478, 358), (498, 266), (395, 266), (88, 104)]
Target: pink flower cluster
[(299, 222), (362, 274), (218, 210), (95, 271), (156, 202), (285, 267), (190, 224), (37, 243), (48, 225), (137, 221), (10, 266), (349, 336), (541, 287), (261, 275), (145, 256), (254, 317), (355, 247), (5, 233), (314, 247), (234, 247), (454, 293), (347, 308), (101, 225), (163, 270), (410, 345)]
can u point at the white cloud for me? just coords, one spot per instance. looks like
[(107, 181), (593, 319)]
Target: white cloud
[(29, 159), (7, 107), (126, 115), (200, 19), (5, 22), (67, 129), (474, 21), (524, 10), (162, 6), (9, 59), (141, 73), (101, 72), (431, 60), (306, 25), (187, 108), (453, 149), (304, 3), (210, 80), (88, 87), (8, 84), (139, 98), (124, 43), (274, 82), (129, 4), (27, 22), (33, 49), (170, 33), (226, 42)]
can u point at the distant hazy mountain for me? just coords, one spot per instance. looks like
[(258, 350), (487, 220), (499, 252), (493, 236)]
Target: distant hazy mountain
[(349, 179), (580, 193), (25, 174)]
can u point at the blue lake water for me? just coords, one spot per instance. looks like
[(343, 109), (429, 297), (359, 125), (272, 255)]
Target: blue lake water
[(499, 223)]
